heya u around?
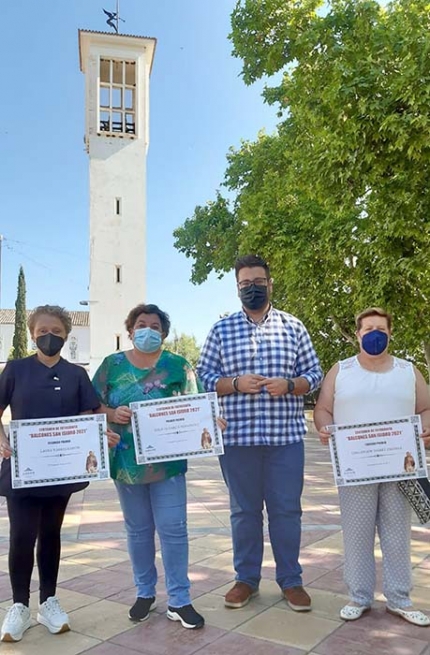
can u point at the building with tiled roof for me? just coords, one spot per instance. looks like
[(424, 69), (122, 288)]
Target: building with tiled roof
[(76, 349), (79, 318)]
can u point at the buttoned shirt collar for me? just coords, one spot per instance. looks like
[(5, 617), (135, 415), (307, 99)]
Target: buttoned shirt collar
[(263, 319)]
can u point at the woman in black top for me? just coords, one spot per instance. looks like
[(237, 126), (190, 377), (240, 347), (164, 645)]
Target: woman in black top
[(41, 386)]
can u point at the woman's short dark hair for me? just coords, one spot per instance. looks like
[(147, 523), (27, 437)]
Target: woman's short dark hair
[(147, 309), (249, 261), (372, 311), (50, 310)]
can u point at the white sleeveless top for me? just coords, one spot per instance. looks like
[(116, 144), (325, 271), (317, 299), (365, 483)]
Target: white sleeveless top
[(363, 396)]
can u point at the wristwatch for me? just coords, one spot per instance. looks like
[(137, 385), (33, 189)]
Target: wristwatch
[(291, 385)]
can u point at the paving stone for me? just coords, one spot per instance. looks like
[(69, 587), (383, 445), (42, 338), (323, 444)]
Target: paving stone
[(159, 636), (301, 630)]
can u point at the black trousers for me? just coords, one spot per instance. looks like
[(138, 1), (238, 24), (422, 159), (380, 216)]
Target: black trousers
[(32, 519)]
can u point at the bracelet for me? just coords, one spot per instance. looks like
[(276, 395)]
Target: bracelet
[(235, 383)]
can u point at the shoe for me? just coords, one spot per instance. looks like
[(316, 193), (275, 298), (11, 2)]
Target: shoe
[(16, 622), (52, 616), (187, 615), (412, 616), (298, 599), (141, 608), (353, 612), (239, 595)]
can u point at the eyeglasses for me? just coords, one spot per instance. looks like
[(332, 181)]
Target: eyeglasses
[(259, 281)]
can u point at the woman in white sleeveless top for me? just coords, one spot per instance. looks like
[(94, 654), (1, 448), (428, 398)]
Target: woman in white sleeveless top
[(375, 386)]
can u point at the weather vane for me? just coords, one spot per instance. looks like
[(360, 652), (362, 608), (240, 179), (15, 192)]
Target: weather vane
[(114, 18)]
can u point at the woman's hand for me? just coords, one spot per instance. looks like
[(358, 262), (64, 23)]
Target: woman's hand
[(5, 450), (222, 423), (113, 438), (425, 436), (324, 435), (122, 415)]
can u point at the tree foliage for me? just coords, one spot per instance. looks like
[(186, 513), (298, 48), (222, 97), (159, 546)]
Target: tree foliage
[(185, 345), (19, 342), (338, 197)]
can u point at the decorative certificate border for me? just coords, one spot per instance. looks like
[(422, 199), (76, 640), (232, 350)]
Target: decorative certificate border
[(103, 471), (420, 471), (144, 458)]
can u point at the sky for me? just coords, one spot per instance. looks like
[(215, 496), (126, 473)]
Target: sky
[(199, 107)]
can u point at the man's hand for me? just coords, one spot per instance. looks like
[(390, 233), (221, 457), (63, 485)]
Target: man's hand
[(275, 386), (250, 383)]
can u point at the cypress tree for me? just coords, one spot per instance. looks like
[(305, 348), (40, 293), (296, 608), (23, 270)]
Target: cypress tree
[(19, 343)]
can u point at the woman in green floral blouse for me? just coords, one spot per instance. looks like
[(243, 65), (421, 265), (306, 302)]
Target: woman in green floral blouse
[(152, 497)]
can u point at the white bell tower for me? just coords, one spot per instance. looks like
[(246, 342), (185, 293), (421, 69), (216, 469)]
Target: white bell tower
[(117, 69)]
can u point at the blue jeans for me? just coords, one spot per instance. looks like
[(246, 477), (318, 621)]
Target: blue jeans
[(160, 506), (272, 475)]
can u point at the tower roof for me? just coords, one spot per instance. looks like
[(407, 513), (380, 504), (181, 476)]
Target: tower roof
[(112, 39)]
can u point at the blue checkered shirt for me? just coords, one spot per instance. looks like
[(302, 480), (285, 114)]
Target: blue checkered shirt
[(278, 346)]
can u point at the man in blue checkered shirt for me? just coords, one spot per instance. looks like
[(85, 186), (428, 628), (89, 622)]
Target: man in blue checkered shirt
[(261, 362)]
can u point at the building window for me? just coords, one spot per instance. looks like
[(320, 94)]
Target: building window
[(118, 274), (117, 342), (117, 96), (118, 206)]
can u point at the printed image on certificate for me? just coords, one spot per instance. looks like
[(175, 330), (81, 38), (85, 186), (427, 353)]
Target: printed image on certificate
[(180, 427), (59, 450), (378, 452)]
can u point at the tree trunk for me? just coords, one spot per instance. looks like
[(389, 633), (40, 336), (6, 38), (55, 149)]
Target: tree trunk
[(427, 354)]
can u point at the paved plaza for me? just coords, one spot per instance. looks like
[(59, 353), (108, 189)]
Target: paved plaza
[(96, 586)]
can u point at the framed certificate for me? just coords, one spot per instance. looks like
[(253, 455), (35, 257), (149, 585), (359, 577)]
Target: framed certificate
[(387, 451), (180, 427), (59, 450)]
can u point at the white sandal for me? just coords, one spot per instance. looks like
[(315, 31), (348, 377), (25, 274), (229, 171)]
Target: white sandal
[(353, 612), (412, 616)]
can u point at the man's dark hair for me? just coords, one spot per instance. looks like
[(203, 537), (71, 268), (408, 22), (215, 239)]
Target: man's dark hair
[(249, 261), (148, 309)]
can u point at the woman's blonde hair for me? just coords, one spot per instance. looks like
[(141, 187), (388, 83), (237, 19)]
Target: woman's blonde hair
[(372, 311)]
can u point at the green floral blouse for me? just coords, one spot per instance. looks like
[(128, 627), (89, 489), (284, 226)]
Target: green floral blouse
[(118, 382)]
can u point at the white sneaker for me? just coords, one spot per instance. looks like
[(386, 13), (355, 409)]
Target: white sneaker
[(52, 615), (16, 622)]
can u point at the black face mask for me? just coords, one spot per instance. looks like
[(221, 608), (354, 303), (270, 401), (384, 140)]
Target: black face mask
[(254, 297), (49, 344)]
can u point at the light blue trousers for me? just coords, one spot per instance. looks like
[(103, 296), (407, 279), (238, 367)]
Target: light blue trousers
[(160, 506)]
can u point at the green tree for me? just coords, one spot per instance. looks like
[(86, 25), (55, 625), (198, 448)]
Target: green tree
[(184, 345), (19, 343), (337, 198)]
